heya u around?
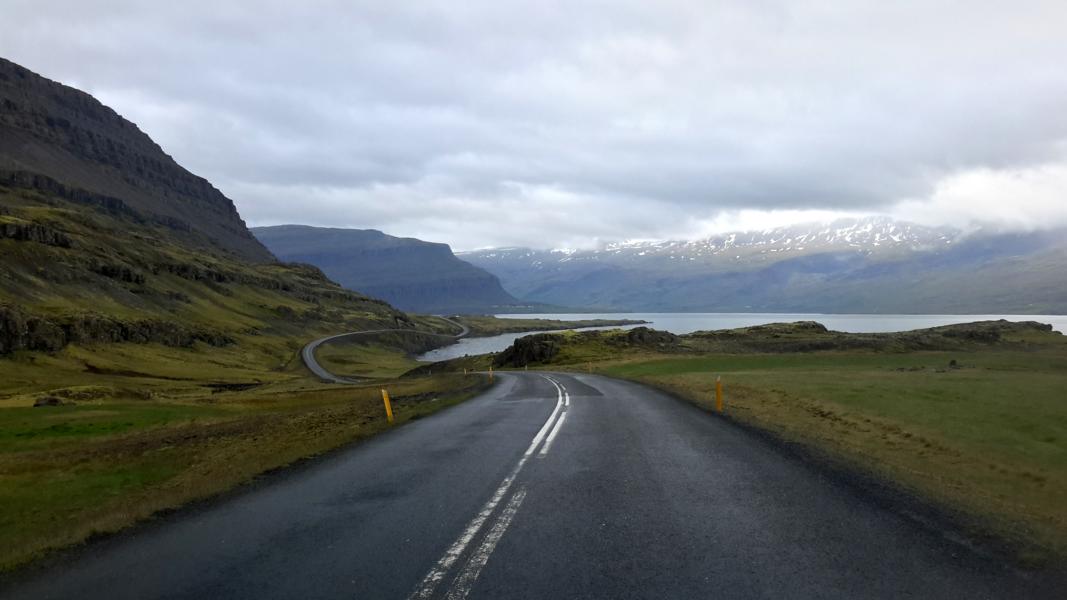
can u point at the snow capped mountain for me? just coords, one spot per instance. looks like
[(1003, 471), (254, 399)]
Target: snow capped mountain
[(846, 233), (868, 235), (851, 265)]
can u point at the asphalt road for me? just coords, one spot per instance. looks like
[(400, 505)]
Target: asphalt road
[(593, 489), (307, 353)]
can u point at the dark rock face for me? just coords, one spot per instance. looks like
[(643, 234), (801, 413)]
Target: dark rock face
[(49, 129), (48, 401), (22, 331), (531, 349), (643, 336), (33, 232), (408, 273), (119, 273)]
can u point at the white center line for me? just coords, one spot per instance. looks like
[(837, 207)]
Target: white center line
[(552, 436), (559, 422), (461, 586), (438, 572)]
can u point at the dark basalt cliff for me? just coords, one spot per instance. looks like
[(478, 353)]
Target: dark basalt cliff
[(408, 273), (50, 129)]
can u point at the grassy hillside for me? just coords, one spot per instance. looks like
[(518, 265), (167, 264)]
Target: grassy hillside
[(970, 418), (87, 274)]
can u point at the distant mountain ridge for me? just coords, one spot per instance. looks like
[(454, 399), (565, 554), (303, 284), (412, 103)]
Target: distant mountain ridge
[(49, 129), (408, 273), (852, 265), (877, 234)]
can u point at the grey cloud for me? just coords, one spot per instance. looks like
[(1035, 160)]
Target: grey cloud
[(483, 123)]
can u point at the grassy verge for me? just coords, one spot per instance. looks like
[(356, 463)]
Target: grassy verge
[(980, 430), (122, 446)]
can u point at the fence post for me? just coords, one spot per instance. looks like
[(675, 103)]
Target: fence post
[(388, 406)]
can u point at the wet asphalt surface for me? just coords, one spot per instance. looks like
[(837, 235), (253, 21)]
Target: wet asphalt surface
[(638, 495)]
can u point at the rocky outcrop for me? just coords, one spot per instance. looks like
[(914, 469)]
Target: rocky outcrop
[(300, 274), (34, 232), (23, 331), (809, 336), (119, 273), (644, 336), (531, 349), (48, 401)]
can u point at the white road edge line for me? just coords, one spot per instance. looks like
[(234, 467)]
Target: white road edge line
[(437, 573), (461, 586)]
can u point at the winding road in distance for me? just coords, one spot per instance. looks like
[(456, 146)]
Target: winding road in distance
[(548, 485), (307, 354)]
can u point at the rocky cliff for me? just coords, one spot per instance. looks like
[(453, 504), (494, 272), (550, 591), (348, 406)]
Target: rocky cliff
[(50, 129), (408, 273)]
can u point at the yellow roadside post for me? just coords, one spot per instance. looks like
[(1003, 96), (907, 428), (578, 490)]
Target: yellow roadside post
[(526, 367), (464, 371), (718, 393), (490, 372), (388, 406)]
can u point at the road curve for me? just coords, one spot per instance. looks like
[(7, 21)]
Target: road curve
[(546, 486), (307, 353)]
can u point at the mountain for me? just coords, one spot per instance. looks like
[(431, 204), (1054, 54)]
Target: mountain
[(865, 265), (49, 129), (105, 240), (408, 273)]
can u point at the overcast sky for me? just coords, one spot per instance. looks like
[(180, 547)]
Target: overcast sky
[(561, 124)]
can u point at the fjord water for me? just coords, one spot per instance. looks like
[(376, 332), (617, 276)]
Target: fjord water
[(680, 323), (483, 345)]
